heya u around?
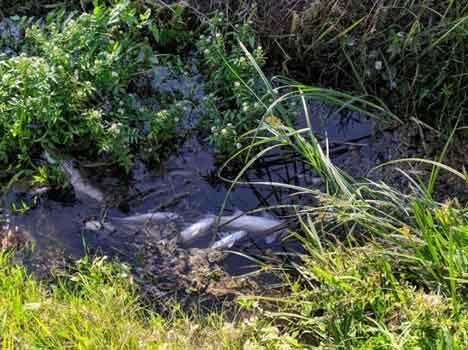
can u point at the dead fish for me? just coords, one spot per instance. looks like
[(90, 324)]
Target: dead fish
[(198, 229), (238, 221), (95, 225), (132, 221), (229, 240), (250, 223), (80, 185), (145, 218)]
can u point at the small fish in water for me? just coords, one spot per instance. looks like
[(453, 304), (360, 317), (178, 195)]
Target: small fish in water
[(198, 229), (229, 240), (145, 218)]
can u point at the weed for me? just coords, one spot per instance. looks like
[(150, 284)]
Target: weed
[(395, 275), (169, 27), (161, 138), (232, 109), (411, 54)]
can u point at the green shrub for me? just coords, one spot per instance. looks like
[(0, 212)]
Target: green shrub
[(69, 89), (161, 137), (236, 93)]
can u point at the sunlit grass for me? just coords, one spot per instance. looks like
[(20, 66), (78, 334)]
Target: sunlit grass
[(395, 274), (95, 306)]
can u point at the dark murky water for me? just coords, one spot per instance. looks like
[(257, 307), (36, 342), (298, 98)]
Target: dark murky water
[(187, 183)]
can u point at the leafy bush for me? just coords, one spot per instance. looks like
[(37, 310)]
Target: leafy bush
[(161, 138), (236, 104), (69, 88), (170, 29)]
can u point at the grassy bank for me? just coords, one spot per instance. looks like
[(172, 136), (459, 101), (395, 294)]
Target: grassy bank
[(384, 267), (94, 305), (411, 54)]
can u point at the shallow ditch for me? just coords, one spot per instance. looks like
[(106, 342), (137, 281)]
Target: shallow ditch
[(187, 184)]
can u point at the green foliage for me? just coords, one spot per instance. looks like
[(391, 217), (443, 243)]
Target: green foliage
[(351, 298), (170, 28), (68, 90), (161, 138), (412, 54), (236, 104), (396, 274), (28, 7)]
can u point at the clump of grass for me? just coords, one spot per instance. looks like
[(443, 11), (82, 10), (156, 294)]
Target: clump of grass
[(381, 268), (411, 54), (353, 297), (395, 274), (94, 306)]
